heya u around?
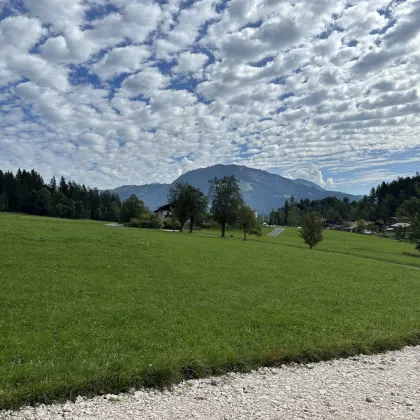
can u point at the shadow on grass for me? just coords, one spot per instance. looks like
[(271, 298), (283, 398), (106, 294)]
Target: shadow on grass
[(346, 253), (166, 376), (410, 254)]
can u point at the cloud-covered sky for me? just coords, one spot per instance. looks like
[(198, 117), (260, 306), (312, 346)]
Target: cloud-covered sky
[(112, 92)]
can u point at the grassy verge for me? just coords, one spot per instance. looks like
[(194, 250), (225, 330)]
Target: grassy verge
[(89, 309)]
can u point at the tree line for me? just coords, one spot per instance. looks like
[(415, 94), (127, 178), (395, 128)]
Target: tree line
[(26, 192), (379, 206)]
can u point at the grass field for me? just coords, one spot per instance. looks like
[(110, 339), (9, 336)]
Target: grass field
[(87, 309), (371, 247)]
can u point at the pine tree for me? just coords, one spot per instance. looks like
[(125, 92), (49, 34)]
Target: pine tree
[(63, 188)]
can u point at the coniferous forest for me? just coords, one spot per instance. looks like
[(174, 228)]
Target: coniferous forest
[(379, 205), (26, 192)]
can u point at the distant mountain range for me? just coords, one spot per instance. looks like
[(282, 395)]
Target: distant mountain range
[(262, 190)]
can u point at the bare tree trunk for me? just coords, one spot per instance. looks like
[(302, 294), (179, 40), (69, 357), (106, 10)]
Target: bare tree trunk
[(223, 229), (244, 235), (191, 224)]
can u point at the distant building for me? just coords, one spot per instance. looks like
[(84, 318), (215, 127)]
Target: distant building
[(164, 212), (351, 228), (398, 226)]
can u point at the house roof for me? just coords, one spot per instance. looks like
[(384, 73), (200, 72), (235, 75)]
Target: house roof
[(400, 225), (351, 227), (164, 207)]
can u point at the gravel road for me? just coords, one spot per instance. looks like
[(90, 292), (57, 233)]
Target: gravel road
[(384, 387)]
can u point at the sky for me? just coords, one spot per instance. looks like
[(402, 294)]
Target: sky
[(114, 92)]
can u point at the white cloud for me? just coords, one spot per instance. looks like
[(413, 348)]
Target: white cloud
[(303, 87), (314, 174), (188, 62), (146, 82), (121, 60), (20, 32)]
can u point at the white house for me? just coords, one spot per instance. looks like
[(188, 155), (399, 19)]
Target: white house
[(164, 212)]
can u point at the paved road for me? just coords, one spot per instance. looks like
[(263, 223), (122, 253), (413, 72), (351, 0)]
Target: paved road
[(276, 232)]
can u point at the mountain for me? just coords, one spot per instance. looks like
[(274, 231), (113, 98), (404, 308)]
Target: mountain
[(153, 195), (309, 184), (262, 190)]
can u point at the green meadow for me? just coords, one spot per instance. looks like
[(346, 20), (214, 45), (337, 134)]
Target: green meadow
[(365, 246), (87, 309)]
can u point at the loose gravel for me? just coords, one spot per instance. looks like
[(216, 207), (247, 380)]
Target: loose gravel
[(385, 386)]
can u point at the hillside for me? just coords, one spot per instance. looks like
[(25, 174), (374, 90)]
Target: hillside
[(262, 190)]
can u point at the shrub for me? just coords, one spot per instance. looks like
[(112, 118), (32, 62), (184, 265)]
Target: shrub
[(172, 224), (134, 223), (206, 225), (361, 226), (153, 223)]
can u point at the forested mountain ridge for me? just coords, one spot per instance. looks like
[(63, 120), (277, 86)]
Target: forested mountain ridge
[(262, 190), (26, 192), (380, 205)]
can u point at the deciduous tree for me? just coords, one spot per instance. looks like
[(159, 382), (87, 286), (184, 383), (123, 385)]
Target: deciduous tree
[(410, 210), (312, 229), (226, 200), (132, 208), (361, 226), (248, 222), (187, 203)]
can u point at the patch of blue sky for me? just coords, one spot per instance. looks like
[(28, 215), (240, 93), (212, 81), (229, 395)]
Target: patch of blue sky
[(185, 4), (221, 6), (5, 12), (381, 31), (80, 75), (98, 12), (286, 95), (387, 11), (252, 25), (184, 83), (28, 115), (5, 88), (281, 80), (165, 67), (279, 110), (327, 33), (18, 6), (140, 98), (203, 29), (115, 83), (263, 62)]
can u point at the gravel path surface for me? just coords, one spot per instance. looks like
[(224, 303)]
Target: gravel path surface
[(385, 387)]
